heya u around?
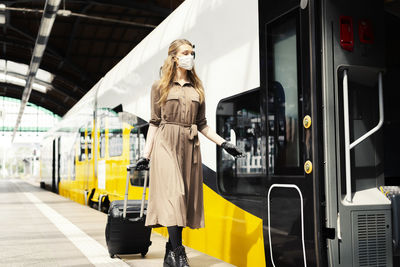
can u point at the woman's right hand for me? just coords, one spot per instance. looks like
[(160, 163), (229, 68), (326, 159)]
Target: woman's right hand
[(232, 149), (142, 164)]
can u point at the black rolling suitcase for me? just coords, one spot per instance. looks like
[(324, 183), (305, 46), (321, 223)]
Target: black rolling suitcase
[(125, 230), (393, 193), (395, 198)]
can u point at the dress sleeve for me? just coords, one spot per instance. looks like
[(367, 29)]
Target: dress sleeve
[(201, 120), (155, 118)]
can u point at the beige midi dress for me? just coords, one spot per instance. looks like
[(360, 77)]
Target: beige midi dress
[(176, 175)]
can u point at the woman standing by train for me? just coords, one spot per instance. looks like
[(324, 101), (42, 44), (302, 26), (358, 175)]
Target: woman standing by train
[(173, 150)]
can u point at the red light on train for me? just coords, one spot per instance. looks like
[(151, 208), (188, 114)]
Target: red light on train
[(365, 32), (346, 33)]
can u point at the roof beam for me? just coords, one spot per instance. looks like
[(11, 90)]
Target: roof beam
[(59, 76), (61, 90), (133, 4), (12, 2), (22, 44), (143, 6), (55, 53), (107, 45), (46, 24), (110, 24), (72, 35), (90, 39), (50, 103)]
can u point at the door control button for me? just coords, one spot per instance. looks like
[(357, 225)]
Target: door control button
[(308, 167), (307, 121)]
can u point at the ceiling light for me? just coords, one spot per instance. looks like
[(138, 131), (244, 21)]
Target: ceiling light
[(6, 78), (39, 87), (8, 66), (2, 14)]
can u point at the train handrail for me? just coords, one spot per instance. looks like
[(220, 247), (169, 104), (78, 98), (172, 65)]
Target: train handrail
[(348, 145)]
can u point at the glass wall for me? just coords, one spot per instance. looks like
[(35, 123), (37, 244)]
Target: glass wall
[(35, 119), (21, 156)]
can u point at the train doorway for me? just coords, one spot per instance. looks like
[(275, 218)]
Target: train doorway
[(359, 126), (290, 106)]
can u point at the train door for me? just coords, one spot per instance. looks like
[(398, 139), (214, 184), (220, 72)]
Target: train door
[(58, 164), (291, 101), (355, 127), (80, 166), (391, 126), (90, 159), (53, 166)]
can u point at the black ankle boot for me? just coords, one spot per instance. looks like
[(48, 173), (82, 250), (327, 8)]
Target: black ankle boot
[(168, 248), (169, 257), (180, 257)]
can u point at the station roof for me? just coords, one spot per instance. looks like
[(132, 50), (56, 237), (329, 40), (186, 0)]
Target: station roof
[(80, 49)]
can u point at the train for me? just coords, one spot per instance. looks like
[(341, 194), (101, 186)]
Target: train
[(308, 89)]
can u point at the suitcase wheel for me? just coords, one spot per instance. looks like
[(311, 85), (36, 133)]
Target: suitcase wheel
[(143, 253), (112, 256)]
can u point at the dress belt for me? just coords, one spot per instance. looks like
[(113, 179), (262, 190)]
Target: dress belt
[(193, 136)]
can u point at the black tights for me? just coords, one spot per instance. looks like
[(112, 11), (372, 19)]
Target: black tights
[(175, 236)]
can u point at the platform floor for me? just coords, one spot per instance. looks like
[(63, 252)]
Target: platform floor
[(40, 228)]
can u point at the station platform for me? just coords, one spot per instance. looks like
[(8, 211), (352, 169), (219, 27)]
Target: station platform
[(40, 228)]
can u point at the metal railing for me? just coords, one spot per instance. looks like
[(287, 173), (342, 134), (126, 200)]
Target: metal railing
[(348, 145)]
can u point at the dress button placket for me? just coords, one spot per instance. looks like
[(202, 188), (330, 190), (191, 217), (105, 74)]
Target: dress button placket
[(183, 105), (183, 120)]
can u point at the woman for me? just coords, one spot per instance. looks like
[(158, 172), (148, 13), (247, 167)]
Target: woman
[(173, 150)]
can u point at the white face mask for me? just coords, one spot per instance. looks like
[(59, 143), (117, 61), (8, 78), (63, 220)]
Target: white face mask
[(186, 62)]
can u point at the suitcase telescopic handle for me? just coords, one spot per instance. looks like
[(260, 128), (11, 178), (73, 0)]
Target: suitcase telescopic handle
[(143, 195), (128, 169)]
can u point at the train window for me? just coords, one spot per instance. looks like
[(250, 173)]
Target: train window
[(136, 137), (64, 166), (136, 144), (89, 142), (102, 143), (136, 147), (284, 97), (239, 121), (102, 139), (73, 164), (115, 140), (82, 144)]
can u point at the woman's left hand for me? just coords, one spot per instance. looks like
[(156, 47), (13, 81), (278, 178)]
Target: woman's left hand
[(142, 164), (233, 150)]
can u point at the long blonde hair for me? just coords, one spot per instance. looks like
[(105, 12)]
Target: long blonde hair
[(168, 72)]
